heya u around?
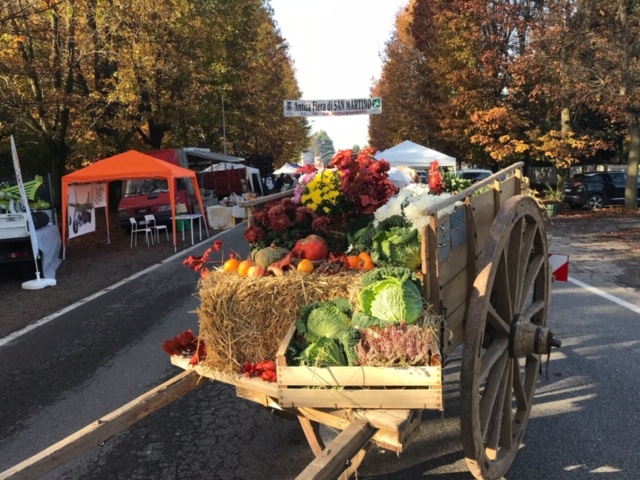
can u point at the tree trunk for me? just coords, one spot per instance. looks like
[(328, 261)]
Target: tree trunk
[(631, 190)]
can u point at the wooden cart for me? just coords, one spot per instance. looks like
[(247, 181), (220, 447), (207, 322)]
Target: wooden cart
[(486, 273)]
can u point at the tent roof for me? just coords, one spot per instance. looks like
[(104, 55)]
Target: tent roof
[(287, 168), (411, 154), (126, 166), (209, 155), (218, 167)]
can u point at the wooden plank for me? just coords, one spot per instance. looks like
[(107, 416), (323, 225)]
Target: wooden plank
[(358, 376), (258, 385), (391, 439), (103, 429), (454, 329), (455, 292), (390, 420), (456, 263), (366, 398), (509, 188), (483, 216), (334, 459), (312, 433)]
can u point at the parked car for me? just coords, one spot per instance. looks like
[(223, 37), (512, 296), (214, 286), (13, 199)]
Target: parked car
[(595, 190), (474, 174)]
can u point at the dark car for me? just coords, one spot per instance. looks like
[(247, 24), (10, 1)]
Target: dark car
[(595, 190), (474, 174)]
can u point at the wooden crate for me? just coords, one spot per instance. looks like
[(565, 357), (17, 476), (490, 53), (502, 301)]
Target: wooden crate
[(357, 387)]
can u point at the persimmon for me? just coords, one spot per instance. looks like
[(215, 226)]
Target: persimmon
[(354, 261), (244, 266), (231, 265), (366, 262), (305, 266)]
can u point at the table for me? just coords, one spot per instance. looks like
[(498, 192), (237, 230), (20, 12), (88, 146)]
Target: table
[(191, 217)]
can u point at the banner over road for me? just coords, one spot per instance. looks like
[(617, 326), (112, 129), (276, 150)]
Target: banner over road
[(316, 108)]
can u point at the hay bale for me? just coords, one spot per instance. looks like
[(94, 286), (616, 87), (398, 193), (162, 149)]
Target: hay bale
[(245, 319)]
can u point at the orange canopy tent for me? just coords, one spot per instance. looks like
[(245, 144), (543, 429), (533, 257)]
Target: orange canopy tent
[(131, 165)]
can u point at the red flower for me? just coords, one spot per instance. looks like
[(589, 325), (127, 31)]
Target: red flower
[(254, 234), (266, 370)]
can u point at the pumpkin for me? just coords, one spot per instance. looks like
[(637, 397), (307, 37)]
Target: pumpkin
[(313, 248), (268, 255)]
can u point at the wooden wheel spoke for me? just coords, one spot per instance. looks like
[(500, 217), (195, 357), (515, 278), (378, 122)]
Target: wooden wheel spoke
[(495, 418), (531, 310), (502, 288), (516, 260), (522, 401), (535, 266), (492, 394), (495, 351), (506, 432), (498, 323), (526, 250)]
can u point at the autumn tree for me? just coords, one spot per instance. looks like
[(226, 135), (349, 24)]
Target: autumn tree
[(603, 68)]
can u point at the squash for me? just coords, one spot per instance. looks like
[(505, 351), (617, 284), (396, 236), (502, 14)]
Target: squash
[(313, 248), (268, 255)]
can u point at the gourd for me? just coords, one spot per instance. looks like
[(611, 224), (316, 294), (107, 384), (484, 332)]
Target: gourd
[(268, 255)]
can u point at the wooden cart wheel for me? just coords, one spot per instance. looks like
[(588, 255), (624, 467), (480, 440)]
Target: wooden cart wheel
[(504, 338)]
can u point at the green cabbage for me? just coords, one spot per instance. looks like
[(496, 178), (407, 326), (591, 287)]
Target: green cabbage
[(324, 319), (398, 246), (324, 352), (392, 300)]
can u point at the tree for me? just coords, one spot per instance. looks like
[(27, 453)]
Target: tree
[(604, 67), (322, 146)]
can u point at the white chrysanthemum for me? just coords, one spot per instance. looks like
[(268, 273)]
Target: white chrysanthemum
[(413, 202)]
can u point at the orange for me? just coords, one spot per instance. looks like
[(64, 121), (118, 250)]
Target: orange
[(305, 266), (231, 265), (354, 261), (244, 266)]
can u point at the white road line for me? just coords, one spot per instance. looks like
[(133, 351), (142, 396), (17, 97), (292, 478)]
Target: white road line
[(53, 316), (611, 298)]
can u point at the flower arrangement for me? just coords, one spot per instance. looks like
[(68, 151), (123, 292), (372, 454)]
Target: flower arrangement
[(325, 201), (322, 194), (282, 223)]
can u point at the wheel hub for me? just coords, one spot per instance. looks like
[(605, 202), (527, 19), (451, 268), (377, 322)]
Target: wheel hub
[(528, 338)]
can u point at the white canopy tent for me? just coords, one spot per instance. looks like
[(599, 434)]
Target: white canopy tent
[(287, 169), (252, 174), (416, 156)]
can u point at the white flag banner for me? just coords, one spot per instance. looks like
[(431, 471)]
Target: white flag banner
[(99, 194), (81, 218), (25, 201), (317, 108)]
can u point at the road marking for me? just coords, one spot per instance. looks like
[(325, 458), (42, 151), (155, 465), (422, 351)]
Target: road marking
[(53, 316), (608, 296)]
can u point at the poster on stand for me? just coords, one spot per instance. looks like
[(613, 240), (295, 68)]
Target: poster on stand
[(81, 217), (99, 194)]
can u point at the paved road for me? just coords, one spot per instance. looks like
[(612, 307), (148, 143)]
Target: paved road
[(64, 375)]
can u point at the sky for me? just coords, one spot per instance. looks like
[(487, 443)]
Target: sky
[(336, 47)]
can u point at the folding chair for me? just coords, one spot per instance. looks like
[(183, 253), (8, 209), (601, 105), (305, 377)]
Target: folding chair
[(136, 229), (151, 223)]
